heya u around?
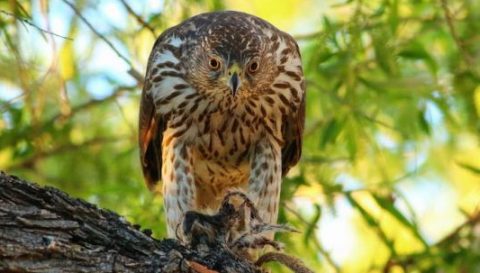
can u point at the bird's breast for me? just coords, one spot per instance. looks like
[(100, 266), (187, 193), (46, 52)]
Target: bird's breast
[(225, 137), (222, 141), (221, 153)]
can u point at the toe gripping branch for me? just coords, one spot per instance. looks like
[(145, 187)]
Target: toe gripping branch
[(238, 228)]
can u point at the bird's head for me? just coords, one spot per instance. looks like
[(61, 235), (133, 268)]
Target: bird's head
[(231, 63)]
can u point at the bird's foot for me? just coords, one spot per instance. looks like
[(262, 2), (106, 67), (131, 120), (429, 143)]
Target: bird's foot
[(237, 228), (237, 225)]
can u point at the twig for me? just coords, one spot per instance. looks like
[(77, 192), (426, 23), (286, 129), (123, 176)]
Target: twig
[(448, 17), (473, 220), (90, 26), (132, 128), (138, 17), (359, 113), (29, 162), (74, 110), (26, 21), (5, 105), (308, 36), (366, 25), (323, 159), (136, 75), (200, 268), (93, 102), (293, 263), (132, 70), (408, 260), (319, 246)]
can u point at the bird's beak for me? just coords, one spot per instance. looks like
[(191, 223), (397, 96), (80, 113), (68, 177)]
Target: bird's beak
[(234, 79)]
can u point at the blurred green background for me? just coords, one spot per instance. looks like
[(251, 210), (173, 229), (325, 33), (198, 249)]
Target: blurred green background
[(390, 175)]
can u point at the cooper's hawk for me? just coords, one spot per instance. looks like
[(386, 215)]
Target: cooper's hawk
[(222, 108)]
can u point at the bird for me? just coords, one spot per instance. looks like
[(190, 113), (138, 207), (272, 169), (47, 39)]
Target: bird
[(222, 108)]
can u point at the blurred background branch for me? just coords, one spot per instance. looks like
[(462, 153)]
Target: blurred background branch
[(134, 73), (26, 21), (138, 18)]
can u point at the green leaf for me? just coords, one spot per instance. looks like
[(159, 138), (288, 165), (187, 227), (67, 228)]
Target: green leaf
[(366, 216), (330, 133), (393, 15), (351, 137), (380, 10), (331, 31), (416, 51), (384, 53), (473, 169), (312, 224), (422, 121), (387, 205), (375, 86), (371, 221)]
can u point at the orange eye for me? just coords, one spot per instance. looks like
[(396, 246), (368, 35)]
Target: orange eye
[(214, 64), (253, 67)]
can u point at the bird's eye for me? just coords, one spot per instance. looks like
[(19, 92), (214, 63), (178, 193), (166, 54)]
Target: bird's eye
[(214, 64), (253, 67)]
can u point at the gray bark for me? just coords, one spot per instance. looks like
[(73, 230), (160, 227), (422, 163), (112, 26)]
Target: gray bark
[(45, 230)]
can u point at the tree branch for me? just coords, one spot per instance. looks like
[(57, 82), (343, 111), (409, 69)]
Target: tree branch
[(26, 21), (45, 230), (30, 162), (134, 73), (461, 47), (138, 18)]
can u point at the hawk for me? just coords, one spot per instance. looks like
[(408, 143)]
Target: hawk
[(222, 108)]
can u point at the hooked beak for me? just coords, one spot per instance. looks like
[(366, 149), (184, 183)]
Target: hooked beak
[(234, 80), (234, 83)]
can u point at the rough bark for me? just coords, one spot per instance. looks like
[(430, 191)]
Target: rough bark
[(45, 230)]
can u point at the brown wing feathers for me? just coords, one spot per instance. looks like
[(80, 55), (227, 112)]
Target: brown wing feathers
[(293, 134), (150, 138)]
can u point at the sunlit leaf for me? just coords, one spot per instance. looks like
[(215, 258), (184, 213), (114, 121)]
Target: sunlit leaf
[(476, 100), (330, 133), (469, 167), (312, 224), (416, 51), (384, 53), (393, 15), (388, 205), (371, 221), (67, 66), (422, 121), (366, 216)]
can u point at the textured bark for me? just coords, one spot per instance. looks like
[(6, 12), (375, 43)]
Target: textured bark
[(45, 230)]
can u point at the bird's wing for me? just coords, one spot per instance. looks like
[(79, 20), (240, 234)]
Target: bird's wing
[(292, 125), (151, 127), (292, 131)]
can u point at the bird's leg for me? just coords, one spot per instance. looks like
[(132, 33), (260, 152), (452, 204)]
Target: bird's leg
[(178, 184), (265, 179)]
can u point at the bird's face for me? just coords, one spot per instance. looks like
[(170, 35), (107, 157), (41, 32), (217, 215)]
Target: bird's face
[(238, 76), (226, 68)]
